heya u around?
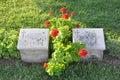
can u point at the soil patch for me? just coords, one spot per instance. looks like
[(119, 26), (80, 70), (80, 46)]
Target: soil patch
[(111, 60)]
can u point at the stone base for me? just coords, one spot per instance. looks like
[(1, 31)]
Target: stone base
[(94, 55), (34, 55)]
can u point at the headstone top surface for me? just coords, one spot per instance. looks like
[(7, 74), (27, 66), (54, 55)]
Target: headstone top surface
[(92, 37), (33, 39)]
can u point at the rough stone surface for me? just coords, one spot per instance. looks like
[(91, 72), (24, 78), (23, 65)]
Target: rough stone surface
[(34, 55), (33, 39), (33, 45), (94, 40)]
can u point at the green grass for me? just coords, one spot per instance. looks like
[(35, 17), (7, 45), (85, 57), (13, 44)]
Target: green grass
[(76, 71), (32, 13)]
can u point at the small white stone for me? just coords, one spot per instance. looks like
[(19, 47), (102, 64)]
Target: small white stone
[(94, 40), (33, 44)]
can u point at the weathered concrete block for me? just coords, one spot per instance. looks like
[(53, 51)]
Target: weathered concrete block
[(33, 45), (94, 40)]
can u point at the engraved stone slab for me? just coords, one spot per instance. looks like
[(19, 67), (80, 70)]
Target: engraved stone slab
[(33, 44), (94, 40), (33, 39)]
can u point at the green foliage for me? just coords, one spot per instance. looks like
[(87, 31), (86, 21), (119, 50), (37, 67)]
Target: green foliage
[(64, 51), (8, 42), (113, 47), (62, 56), (113, 43), (16, 14)]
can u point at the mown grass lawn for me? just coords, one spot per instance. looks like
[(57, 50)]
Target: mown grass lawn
[(16, 14), (76, 71)]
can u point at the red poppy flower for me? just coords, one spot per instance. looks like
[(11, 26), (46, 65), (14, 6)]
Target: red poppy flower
[(45, 65), (72, 13), (83, 52), (63, 10), (65, 16), (51, 11), (54, 32), (77, 26), (47, 23)]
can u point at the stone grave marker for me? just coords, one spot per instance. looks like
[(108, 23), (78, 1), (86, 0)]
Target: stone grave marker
[(94, 40), (33, 45)]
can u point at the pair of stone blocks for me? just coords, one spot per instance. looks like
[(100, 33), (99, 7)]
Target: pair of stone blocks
[(34, 43)]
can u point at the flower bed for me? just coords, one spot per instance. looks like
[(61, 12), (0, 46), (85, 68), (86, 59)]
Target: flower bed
[(63, 50)]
